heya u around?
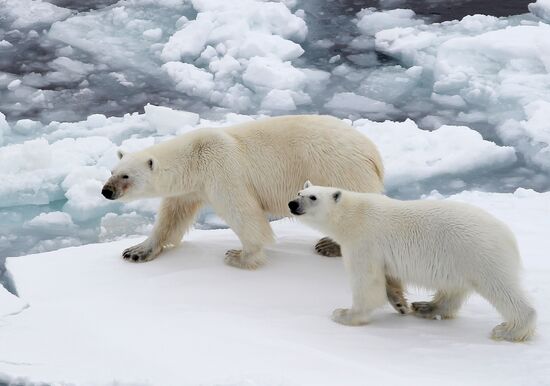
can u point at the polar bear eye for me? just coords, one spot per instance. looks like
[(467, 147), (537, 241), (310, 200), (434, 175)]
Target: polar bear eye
[(125, 176), (312, 198)]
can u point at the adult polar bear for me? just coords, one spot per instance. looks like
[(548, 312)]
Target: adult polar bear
[(245, 172), (448, 246)]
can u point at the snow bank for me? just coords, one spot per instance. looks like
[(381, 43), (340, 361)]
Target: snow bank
[(138, 323)]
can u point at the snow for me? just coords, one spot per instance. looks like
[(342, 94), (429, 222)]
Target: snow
[(9, 305), (140, 323)]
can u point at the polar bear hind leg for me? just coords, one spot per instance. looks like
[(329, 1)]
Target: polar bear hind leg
[(246, 218), (520, 317)]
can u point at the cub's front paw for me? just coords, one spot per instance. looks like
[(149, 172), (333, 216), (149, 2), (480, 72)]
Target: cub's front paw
[(140, 253), (349, 317)]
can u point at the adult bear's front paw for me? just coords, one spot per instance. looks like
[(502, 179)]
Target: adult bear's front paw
[(239, 259), (140, 253)]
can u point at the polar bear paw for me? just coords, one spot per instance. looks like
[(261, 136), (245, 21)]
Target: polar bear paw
[(140, 253), (426, 310), (237, 258), (504, 331), (327, 247), (349, 317)]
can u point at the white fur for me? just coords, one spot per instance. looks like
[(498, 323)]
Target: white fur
[(451, 247), (245, 172)]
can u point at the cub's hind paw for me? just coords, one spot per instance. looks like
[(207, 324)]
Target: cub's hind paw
[(504, 331)]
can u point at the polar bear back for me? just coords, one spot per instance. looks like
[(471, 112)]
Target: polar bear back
[(453, 241), (279, 154)]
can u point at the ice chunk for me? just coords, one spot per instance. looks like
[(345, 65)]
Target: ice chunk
[(259, 44), (27, 126), (272, 73), (541, 8), (117, 226), (348, 102), (532, 135), (412, 156), (4, 44), (190, 79), (167, 120), (52, 223), (278, 100), (190, 40), (29, 13), (4, 128), (372, 21), (153, 34)]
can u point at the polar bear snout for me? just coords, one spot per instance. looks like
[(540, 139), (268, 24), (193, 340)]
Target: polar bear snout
[(114, 188), (294, 207), (108, 193)]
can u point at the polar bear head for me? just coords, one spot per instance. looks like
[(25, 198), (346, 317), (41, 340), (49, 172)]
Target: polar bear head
[(132, 178), (315, 204)]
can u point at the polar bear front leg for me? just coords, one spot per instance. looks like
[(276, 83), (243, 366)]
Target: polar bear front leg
[(368, 286), (245, 217), (175, 217)]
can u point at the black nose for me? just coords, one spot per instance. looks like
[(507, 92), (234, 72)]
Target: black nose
[(293, 205), (107, 193)]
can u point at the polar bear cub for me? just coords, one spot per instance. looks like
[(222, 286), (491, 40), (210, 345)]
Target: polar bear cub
[(451, 247)]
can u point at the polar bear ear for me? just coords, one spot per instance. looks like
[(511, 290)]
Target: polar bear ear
[(307, 184), (120, 154), (337, 196)]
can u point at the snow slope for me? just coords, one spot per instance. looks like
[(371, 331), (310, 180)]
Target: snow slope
[(187, 319)]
